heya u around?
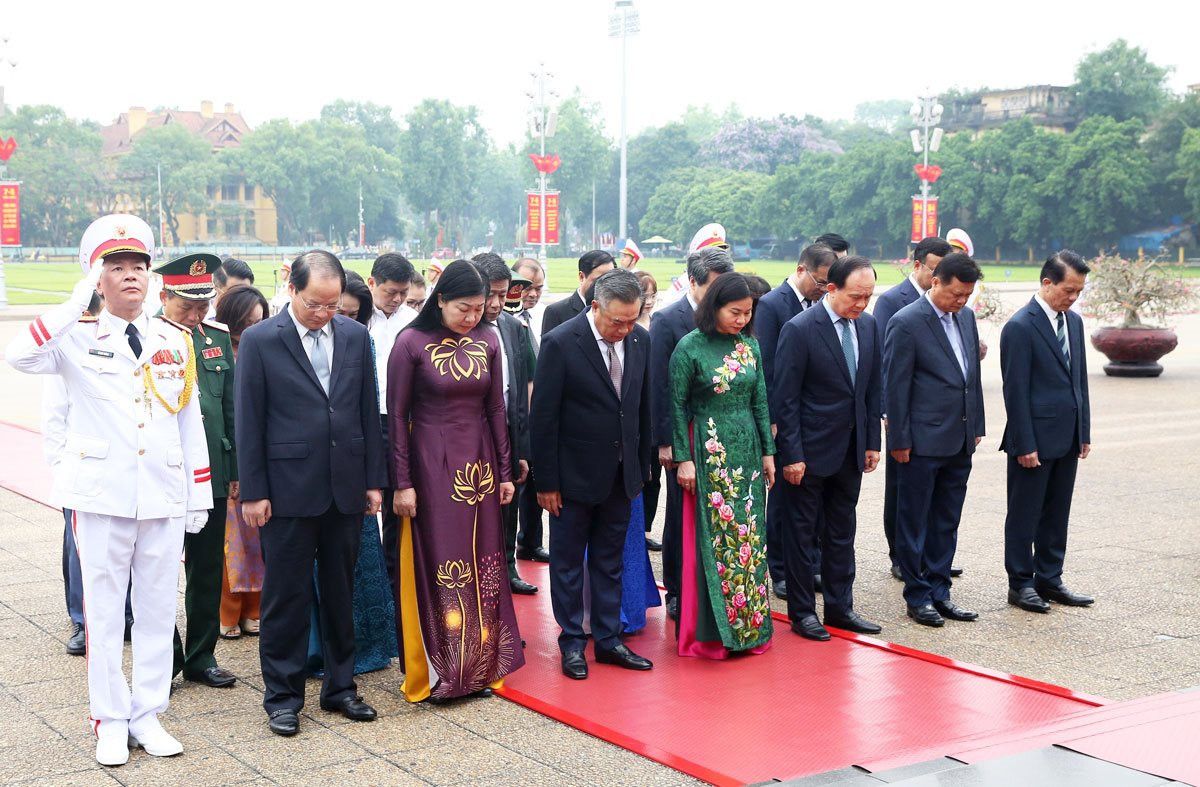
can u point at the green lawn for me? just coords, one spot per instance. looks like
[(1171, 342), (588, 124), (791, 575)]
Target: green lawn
[(34, 283)]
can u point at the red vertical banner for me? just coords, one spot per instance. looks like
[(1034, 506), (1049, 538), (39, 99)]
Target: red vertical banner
[(918, 220), (10, 213), (551, 216), (931, 217), (533, 232)]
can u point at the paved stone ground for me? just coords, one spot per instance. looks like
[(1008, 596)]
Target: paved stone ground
[(1135, 544)]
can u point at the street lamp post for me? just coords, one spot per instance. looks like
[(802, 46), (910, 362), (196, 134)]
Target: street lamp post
[(544, 122), (926, 112), (622, 23)]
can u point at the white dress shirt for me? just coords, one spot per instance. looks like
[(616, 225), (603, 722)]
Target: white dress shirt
[(503, 357), (325, 337), (799, 295), (950, 327), (603, 343), (912, 277), (384, 330), (838, 329), (1052, 316)]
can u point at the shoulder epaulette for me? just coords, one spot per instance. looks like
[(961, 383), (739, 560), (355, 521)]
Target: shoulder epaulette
[(88, 318), (220, 326), (173, 323)]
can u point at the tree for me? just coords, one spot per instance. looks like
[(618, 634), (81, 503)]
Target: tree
[(187, 166), (731, 199), (276, 156), (1162, 145), (703, 122), (759, 145), (870, 195), (379, 127), (661, 217), (585, 152), (1189, 167), (652, 155), (1120, 82), (796, 203), (887, 115)]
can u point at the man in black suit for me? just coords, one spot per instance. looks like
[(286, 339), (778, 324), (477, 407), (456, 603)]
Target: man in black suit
[(800, 290), (667, 326), (311, 461), (592, 265), (827, 392), (935, 420), (517, 353), (1044, 366), (591, 456), (926, 256)]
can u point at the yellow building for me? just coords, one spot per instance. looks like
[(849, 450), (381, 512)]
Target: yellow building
[(239, 211), (1048, 106)]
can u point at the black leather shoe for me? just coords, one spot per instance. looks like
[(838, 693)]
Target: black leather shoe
[(654, 545), (622, 656), (852, 621), (951, 611), (352, 708), (537, 554), (818, 587), (810, 628), (521, 587), (780, 589), (956, 571), (1064, 595), (896, 573), (673, 608), (214, 678), (1028, 600), (926, 615), (77, 642), (574, 665), (284, 722)]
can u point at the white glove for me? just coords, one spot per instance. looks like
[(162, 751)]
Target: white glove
[(196, 520), (85, 287)]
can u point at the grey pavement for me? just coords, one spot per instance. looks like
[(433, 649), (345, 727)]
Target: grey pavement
[(1135, 545)]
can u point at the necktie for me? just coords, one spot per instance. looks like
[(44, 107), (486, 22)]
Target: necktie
[(320, 361), (952, 334), (848, 349), (1062, 336), (614, 367), (135, 343), (528, 318)]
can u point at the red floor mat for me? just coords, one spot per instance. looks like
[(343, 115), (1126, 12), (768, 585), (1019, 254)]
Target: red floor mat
[(801, 708), (22, 468), (1164, 747)]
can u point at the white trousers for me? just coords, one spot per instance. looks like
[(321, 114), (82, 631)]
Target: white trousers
[(111, 549)]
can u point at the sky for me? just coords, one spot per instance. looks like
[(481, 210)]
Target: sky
[(275, 59)]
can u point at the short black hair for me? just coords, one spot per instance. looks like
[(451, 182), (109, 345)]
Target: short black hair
[(833, 241), (319, 261), (357, 288), (392, 267), (934, 245), (840, 271), (353, 276), (758, 285), (594, 259), (417, 280), (726, 289), (1057, 264), (958, 265), (459, 279), (817, 256), (709, 260), (492, 267), (232, 266)]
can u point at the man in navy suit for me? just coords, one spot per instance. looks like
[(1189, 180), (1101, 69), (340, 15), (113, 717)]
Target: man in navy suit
[(935, 420), (667, 326), (926, 256), (827, 397), (591, 455), (311, 461), (592, 265), (1044, 366), (800, 290)]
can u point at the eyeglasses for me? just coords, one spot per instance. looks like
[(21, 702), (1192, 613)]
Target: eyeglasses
[(818, 282), (321, 307)]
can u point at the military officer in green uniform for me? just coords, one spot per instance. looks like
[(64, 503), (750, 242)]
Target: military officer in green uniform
[(186, 295)]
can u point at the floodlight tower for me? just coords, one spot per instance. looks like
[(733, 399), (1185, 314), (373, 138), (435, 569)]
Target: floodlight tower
[(926, 113), (622, 23)]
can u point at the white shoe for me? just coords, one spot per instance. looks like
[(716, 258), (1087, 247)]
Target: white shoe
[(155, 740), (112, 746)]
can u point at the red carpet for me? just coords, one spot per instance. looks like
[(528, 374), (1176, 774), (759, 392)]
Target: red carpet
[(22, 468), (801, 708)]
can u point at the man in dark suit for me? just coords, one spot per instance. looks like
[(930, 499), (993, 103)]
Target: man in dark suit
[(935, 420), (517, 352), (800, 290), (592, 265), (827, 392), (1044, 366), (591, 455), (926, 256), (667, 326), (311, 461)]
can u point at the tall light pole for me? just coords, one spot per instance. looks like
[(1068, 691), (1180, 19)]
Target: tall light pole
[(544, 122), (622, 23), (7, 61), (926, 113)]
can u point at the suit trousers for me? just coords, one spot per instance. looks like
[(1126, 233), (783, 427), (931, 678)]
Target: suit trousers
[(776, 525), (290, 545), (891, 470), (391, 528), (824, 506), (672, 541), (1035, 530), (599, 530), (203, 565), (651, 491), (928, 509), (113, 551), (72, 575), (509, 515), (530, 515)]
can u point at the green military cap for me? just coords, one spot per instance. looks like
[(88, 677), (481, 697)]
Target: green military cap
[(190, 276)]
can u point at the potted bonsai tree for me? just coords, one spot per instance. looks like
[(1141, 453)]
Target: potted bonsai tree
[(1128, 290)]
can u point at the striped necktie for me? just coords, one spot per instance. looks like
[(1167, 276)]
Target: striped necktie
[(1062, 336), (614, 367), (848, 349)]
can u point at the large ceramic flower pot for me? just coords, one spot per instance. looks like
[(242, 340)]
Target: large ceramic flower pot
[(1134, 352)]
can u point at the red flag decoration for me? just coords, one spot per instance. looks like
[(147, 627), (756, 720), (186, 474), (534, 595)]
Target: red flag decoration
[(533, 233), (10, 213), (928, 173), (6, 149), (924, 219), (546, 164)]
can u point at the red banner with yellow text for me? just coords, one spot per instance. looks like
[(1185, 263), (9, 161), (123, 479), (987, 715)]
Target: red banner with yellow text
[(924, 218), (10, 213), (536, 215)]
